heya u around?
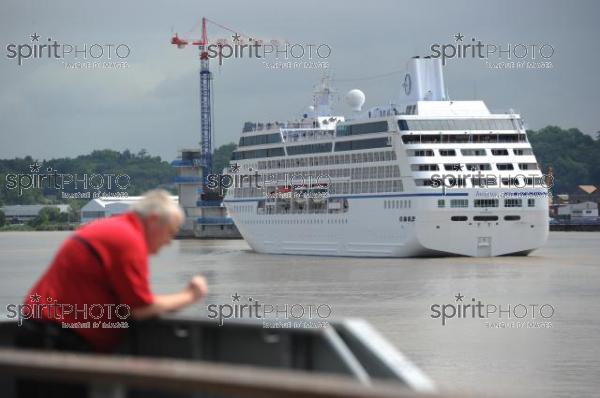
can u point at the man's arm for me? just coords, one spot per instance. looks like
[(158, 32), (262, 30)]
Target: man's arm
[(196, 290)]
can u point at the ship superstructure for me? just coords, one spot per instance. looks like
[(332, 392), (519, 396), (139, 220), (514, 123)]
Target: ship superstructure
[(423, 176)]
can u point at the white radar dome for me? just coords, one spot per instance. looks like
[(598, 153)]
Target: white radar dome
[(355, 99)]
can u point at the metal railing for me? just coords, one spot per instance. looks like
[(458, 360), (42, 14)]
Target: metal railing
[(109, 376)]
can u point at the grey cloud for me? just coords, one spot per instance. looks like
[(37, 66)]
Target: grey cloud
[(47, 111)]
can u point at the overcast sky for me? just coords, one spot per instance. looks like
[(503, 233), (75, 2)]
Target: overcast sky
[(49, 111)]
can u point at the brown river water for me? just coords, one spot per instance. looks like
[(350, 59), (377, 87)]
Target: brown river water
[(556, 356)]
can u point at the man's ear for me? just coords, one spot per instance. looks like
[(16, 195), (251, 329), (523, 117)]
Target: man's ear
[(154, 219)]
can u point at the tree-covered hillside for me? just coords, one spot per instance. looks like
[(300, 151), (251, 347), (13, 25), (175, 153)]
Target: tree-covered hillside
[(574, 156), (139, 172)]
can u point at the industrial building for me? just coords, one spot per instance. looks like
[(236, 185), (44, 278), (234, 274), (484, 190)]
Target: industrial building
[(582, 203), (573, 211), (109, 206), (205, 215), (20, 214)]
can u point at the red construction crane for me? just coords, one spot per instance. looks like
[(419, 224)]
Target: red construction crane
[(238, 38), (206, 80)]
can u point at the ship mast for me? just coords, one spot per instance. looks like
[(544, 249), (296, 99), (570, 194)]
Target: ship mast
[(322, 97)]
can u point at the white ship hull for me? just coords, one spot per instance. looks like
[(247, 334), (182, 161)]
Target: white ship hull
[(369, 230)]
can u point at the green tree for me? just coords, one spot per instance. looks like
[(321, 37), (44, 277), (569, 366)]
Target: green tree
[(221, 157), (2, 219), (74, 214), (47, 215), (572, 155)]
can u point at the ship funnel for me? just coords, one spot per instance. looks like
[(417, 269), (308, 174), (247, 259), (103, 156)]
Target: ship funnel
[(424, 81)]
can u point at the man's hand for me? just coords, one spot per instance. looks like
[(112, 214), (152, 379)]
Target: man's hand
[(198, 287)]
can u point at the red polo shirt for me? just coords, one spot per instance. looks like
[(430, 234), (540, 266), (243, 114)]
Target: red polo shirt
[(97, 277)]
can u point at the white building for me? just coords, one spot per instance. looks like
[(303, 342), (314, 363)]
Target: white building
[(109, 206), (577, 210)]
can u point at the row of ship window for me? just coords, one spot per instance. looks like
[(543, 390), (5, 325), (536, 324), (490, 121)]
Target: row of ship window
[(296, 221), (470, 152), (348, 158), (441, 203), (463, 203), (336, 188), (462, 138), (460, 124), (313, 148), (397, 204), (431, 125), (486, 218), (386, 142), (460, 203), (260, 139), (340, 146), (370, 186), (343, 130), (473, 166), (481, 182), (324, 175)]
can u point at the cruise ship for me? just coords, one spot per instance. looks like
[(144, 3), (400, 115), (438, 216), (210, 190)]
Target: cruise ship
[(422, 176)]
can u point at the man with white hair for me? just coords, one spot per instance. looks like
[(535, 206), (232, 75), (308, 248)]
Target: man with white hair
[(100, 278)]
